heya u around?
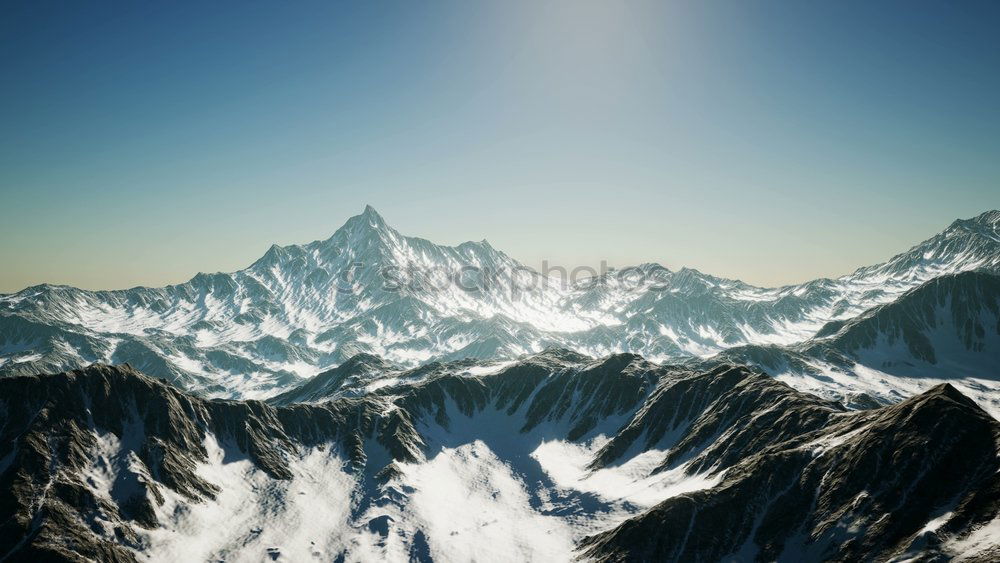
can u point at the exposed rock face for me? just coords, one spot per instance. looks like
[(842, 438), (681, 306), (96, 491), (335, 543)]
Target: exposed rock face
[(945, 330), (966, 306), (108, 464), (53, 424), (352, 375), (719, 417), (866, 486)]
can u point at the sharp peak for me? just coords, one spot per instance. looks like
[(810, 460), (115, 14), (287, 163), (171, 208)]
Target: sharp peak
[(368, 222), (694, 272), (365, 359), (369, 216), (944, 394), (684, 270), (945, 389)]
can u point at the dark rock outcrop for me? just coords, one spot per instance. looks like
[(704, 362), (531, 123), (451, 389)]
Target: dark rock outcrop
[(863, 487)]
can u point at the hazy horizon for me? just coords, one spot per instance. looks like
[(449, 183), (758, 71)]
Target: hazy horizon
[(773, 143), (543, 265)]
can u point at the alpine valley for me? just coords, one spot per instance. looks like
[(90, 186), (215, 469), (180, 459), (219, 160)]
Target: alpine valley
[(374, 396)]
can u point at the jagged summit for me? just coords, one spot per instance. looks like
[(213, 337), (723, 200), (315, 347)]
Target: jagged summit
[(366, 359), (948, 392), (988, 219), (967, 244), (369, 219)]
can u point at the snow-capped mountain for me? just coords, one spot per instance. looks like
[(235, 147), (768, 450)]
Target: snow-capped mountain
[(296, 310), (302, 309), (553, 457)]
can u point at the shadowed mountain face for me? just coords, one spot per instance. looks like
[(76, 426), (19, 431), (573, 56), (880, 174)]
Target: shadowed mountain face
[(945, 330), (875, 485), (300, 310), (960, 311), (553, 457)]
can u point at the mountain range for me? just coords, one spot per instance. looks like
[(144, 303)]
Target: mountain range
[(303, 309), (374, 397), (553, 457)]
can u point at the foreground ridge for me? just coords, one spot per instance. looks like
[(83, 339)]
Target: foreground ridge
[(560, 454), (914, 479)]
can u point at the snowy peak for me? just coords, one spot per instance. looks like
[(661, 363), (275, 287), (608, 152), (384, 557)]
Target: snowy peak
[(370, 213), (967, 244), (976, 235), (369, 222), (985, 223), (370, 241)]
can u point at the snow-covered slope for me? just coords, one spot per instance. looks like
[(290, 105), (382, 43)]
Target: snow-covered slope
[(300, 310), (107, 464)]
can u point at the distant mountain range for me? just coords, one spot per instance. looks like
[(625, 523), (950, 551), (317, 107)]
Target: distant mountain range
[(302, 310)]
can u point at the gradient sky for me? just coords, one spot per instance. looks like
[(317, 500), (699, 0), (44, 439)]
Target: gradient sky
[(142, 142)]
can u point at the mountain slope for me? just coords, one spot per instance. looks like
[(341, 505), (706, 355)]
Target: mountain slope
[(300, 310), (108, 464), (945, 330), (949, 316), (911, 480)]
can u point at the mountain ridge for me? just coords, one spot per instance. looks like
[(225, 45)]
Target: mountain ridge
[(946, 330), (302, 309), (107, 463), (805, 501)]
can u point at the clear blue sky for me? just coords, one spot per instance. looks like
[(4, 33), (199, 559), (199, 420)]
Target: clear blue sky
[(142, 142)]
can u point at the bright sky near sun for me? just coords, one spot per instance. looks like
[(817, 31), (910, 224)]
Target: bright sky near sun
[(775, 142)]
